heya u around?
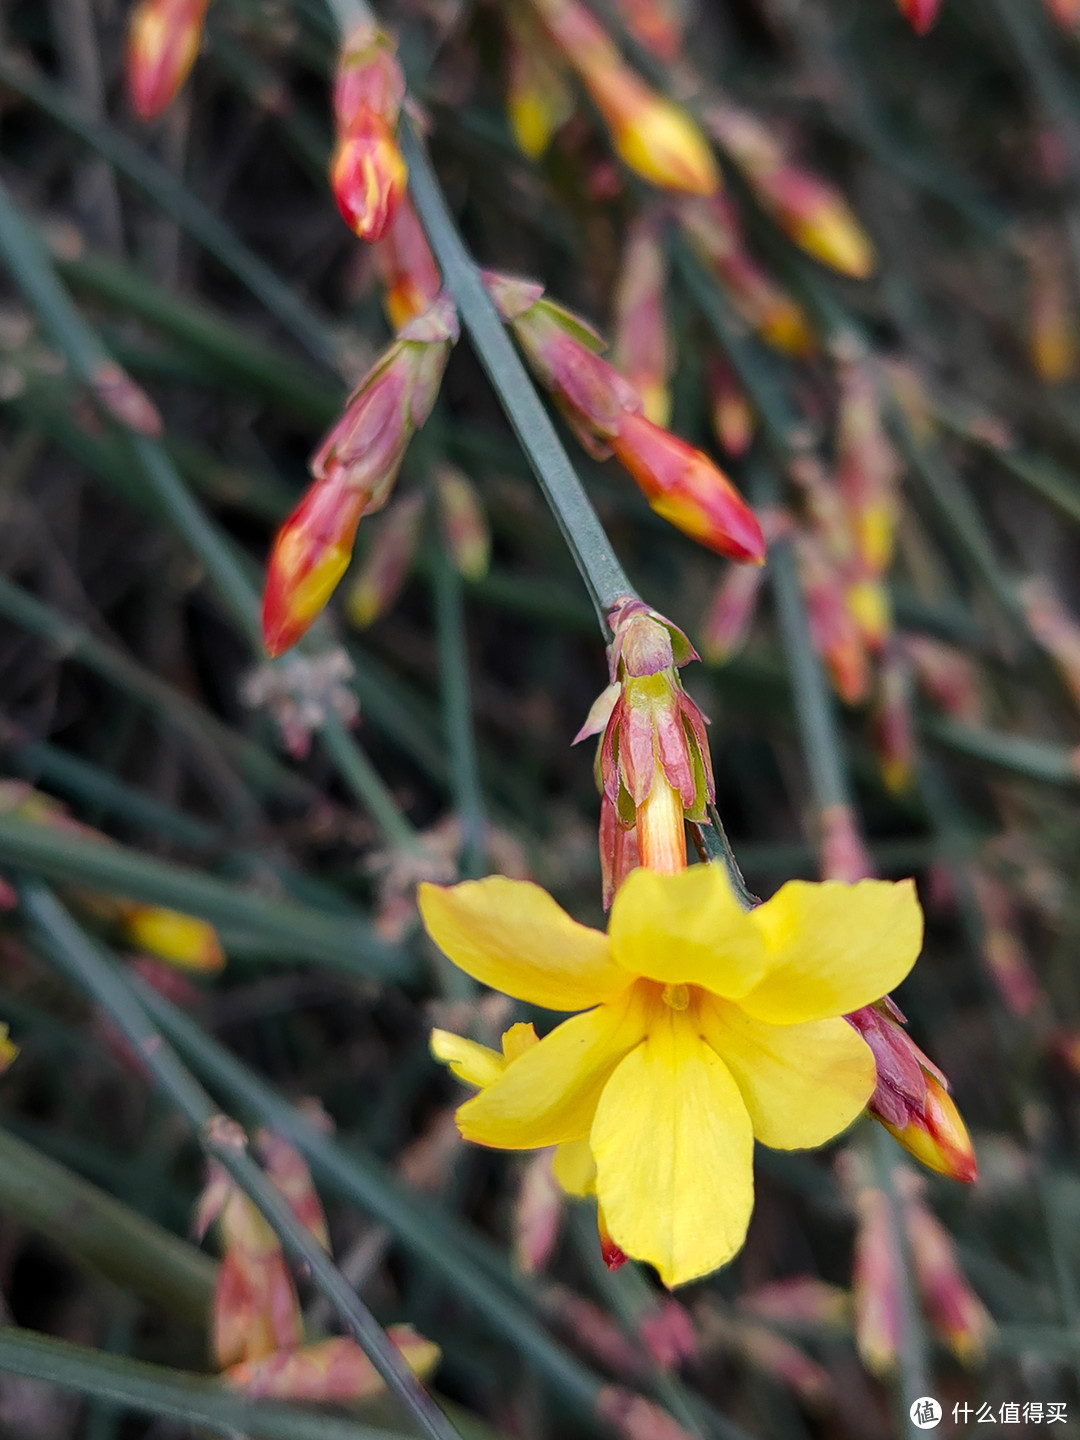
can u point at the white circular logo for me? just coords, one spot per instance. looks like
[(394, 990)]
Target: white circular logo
[(925, 1413)]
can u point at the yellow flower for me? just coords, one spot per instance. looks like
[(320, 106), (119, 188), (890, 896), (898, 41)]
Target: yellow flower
[(703, 1027)]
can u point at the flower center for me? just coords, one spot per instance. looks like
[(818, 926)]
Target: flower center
[(676, 996)]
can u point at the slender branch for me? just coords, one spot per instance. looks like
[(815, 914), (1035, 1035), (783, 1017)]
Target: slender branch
[(584, 535), (225, 1143)]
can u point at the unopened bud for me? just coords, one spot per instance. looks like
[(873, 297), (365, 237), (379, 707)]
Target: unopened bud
[(386, 566), (833, 629), (126, 402), (875, 1283), (406, 267), (731, 611), (657, 25), (464, 524), (1065, 13), (331, 1372), (368, 176), (952, 1307), (311, 553), (162, 42), (684, 487), (1052, 335), (538, 1212), (641, 350), (894, 728), (538, 99), (844, 856), (182, 940), (732, 415)]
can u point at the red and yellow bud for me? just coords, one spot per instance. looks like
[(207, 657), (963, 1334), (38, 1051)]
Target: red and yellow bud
[(868, 604), (182, 940), (538, 99), (386, 565), (311, 553), (951, 1306), (867, 469), (727, 622), (367, 173), (653, 762), (732, 415), (685, 487), (355, 469), (464, 524), (368, 176), (712, 227), (807, 209), (800, 1300), (162, 42), (331, 1372), (912, 1099), (407, 268), (653, 136), (920, 14), (875, 1283), (833, 629), (641, 350)]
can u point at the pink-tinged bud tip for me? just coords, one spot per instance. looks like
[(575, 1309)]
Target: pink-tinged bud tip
[(368, 176), (920, 14), (311, 553), (162, 42)]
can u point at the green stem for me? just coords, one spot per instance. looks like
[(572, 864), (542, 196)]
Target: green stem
[(582, 531), (169, 1394), (222, 1141), (103, 1234), (289, 931), (365, 782), (913, 1350), (448, 594), (1035, 759)]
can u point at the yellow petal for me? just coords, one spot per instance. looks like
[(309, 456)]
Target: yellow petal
[(574, 1167), (832, 947), (473, 1063), (549, 1094), (687, 929), (802, 1084), (674, 1153), (512, 935)]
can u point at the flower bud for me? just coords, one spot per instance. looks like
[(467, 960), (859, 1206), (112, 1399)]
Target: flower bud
[(289, 1171), (952, 1307), (386, 565), (355, 469), (799, 1300), (538, 99), (406, 267), (126, 402), (875, 1283), (311, 553), (162, 42), (368, 176), (946, 675), (712, 228), (867, 469), (653, 136), (641, 351), (654, 767), (843, 852), (1003, 951), (920, 14), (368, 79), (729, 407), (833, 630), (684, 487), (464, 524), (8, 1050), (1052, 335), (633, 1417), (330, 1372), (183, 940), (912, 1099), (811, 212), (731, 611)]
